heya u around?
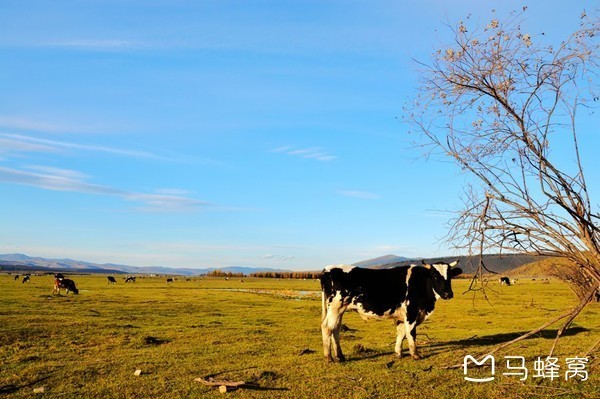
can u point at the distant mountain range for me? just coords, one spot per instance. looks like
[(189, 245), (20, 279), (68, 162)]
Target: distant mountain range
[(382, 260), (20, 262), (494, 263)]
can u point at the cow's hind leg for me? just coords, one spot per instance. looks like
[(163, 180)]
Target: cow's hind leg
[(401, 332)]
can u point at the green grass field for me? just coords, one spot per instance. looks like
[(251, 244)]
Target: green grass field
[(268, 332)]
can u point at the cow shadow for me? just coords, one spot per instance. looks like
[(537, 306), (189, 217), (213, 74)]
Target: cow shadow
[(12, 388), (254, 383), (256, 387), (355, 357), (426, 350), (494, 339)]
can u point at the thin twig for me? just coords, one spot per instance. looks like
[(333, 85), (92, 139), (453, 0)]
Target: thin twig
[(592, 348), (574, 312)]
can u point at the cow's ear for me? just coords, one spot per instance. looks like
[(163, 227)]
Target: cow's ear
[(455, 272), (425, 265), (454, 263)]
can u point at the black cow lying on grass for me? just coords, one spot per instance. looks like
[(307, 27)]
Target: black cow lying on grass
[(61, 282), (406, 294)]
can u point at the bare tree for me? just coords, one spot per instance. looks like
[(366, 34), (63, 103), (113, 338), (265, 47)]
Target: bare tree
[(505, 107)]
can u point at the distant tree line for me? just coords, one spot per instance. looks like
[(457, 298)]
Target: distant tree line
[(296, 275), (282, 275), (219, 273)]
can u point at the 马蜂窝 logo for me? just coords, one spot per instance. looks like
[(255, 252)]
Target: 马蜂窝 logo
[(479, 364), (548, 368)]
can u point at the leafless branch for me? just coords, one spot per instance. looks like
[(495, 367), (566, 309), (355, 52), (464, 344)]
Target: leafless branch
[(497, 102)]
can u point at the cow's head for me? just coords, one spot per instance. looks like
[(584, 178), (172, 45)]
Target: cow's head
[(441, 276)]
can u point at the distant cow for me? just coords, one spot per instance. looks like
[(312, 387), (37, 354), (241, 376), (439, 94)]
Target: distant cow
[(169, 280), (130, 279), (406, 294), (504, 280), (68, 285), (25, 278), (111, 280), (16, 277), (58, 277)]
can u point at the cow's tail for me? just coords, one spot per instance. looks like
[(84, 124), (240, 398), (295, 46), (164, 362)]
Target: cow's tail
[(324, 306), (324, 295)]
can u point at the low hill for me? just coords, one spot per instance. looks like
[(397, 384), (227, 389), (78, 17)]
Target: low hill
[(495, 263), (20, 262), (28, 267), (549, 267), (382, 260)]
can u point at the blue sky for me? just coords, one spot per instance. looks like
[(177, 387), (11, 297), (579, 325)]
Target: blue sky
[(216, 133)]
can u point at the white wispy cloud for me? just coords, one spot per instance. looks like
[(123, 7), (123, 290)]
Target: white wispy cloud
[(24, 143), (165, 203), (28, 123), (12, 143), (358, 194), (57, 179), (282, 258), (316, 153), (94, 44)]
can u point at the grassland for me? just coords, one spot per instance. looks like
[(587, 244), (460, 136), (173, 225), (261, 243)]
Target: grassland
[(267, 332)]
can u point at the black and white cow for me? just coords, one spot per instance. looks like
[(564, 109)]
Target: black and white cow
[(504, 280), (129, 279), (67, 284), (26, 278), (58, 277), (111, 280), (406, 294)]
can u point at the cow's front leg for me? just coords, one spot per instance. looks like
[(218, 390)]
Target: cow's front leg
[(337, 348), (411, 337), (400, 333), (330, 329), (326, 332), (331, 340)]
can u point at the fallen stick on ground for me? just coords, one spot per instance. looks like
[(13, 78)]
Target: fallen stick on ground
[(223, 385), (212, 382)]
